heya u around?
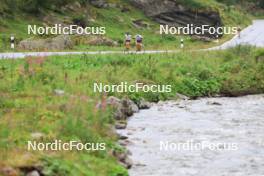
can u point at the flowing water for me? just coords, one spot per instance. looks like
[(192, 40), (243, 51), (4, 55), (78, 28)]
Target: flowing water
[(205, 137)]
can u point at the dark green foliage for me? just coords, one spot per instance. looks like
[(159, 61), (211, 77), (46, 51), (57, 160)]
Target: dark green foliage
[(31, 6)]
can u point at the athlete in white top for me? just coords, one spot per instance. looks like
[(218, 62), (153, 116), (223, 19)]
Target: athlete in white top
[(128, 38)]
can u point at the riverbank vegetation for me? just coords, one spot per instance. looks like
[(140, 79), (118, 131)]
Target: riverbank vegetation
[(51, 98)]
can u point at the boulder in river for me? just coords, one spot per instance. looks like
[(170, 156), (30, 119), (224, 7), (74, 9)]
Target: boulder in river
[(116, 103), (143, 104), (128, 162), (133, 106), (120, 125), (123, 159), (214, 103), (123, 108), (182, 97)]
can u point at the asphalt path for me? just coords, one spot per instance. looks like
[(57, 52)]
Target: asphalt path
[(252, 35)]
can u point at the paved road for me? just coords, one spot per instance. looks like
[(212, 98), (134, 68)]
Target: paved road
[(25, 54), (252, 35)]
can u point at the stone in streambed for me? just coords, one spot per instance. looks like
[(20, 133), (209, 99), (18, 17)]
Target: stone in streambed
[(123, 159), (120, 125), (123, 108), (128, 163), (124, 143), (182, 97), (214, 103), (122, 137), (143, 104), (133, 106)]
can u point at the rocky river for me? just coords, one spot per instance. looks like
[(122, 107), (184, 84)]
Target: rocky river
[(204, 137)]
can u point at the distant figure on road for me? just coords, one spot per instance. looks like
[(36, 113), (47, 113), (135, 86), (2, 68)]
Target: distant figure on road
[(239, 32), (128, 38), (139, 42)]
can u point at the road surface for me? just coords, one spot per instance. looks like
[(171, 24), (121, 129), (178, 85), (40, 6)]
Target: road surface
[(43, 54), (252, 35)]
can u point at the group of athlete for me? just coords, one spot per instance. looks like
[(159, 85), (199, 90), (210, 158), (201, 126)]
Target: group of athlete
[(138, 39)]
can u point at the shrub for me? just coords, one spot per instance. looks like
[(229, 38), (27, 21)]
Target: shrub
[(80, 21)]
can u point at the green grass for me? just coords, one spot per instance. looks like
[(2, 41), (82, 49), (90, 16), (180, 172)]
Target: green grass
[(28, 103)]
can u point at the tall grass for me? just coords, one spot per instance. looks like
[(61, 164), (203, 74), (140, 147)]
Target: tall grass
[(29, 104)]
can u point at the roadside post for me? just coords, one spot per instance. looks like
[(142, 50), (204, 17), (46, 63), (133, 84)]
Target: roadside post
[(12, 41), (182, 44), (217, 39)]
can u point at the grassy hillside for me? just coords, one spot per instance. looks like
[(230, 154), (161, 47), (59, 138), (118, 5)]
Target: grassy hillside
[(29, 105), (15, 15)]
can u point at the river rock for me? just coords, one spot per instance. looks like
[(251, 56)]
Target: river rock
[(120, 125), (123, 108), (143, 104), (124, 142), (122, 137), (128, 162), (123, 159), (117, 104), (214, 103), (121, 156), (181, 96), (126, 107), (133, 106)]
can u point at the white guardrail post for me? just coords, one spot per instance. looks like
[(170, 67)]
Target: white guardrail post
[(182, 44), (12, 41)]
